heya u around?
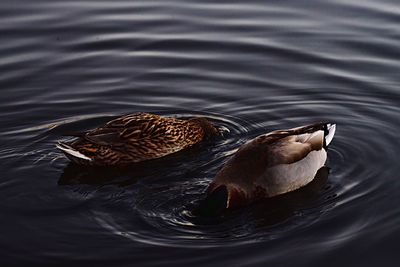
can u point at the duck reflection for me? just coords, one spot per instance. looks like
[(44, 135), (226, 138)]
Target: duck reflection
[(267, 212), (76, 174)]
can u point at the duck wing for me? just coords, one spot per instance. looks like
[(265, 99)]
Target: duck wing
[(131, 128), (292, 145), (133, 138)]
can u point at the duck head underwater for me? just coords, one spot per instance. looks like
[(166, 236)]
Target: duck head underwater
[(135, 138), (271, 164)]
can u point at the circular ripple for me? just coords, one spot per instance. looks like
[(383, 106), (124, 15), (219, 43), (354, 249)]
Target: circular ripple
[(250, 68)]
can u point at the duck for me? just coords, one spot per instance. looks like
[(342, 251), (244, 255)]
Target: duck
[(134, 138), (270, 165)]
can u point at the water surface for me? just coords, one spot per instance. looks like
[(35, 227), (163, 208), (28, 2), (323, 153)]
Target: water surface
[(249, 66)]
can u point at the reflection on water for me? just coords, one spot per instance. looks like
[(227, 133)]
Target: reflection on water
[(251, 68)]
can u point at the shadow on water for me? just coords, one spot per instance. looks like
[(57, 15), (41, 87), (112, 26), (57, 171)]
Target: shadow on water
[(76, 174)]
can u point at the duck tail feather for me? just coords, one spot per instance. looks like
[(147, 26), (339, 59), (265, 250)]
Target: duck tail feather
[(71, 153), (330, 132)]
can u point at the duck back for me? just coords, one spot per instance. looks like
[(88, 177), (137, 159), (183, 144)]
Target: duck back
[(135, 138)]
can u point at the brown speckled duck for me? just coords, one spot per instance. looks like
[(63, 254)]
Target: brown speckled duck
[(272, 164), (135, 138)]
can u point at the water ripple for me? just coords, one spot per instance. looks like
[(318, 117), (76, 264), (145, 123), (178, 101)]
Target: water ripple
[(250, 68)]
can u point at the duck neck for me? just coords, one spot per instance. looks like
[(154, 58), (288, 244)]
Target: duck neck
[(209, 129)]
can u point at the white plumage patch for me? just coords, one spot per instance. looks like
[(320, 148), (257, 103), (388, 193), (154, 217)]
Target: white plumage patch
[(331, 133)]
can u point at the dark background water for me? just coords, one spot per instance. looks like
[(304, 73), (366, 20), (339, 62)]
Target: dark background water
[(250, 66)]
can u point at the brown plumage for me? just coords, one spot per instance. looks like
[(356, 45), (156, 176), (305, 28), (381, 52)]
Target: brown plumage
[(135, 138), (272, 164)]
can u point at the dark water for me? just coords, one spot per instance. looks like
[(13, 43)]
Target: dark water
[(250, 66)]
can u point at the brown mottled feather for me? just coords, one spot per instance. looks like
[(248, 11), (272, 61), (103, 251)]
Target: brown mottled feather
[(138, 137)]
